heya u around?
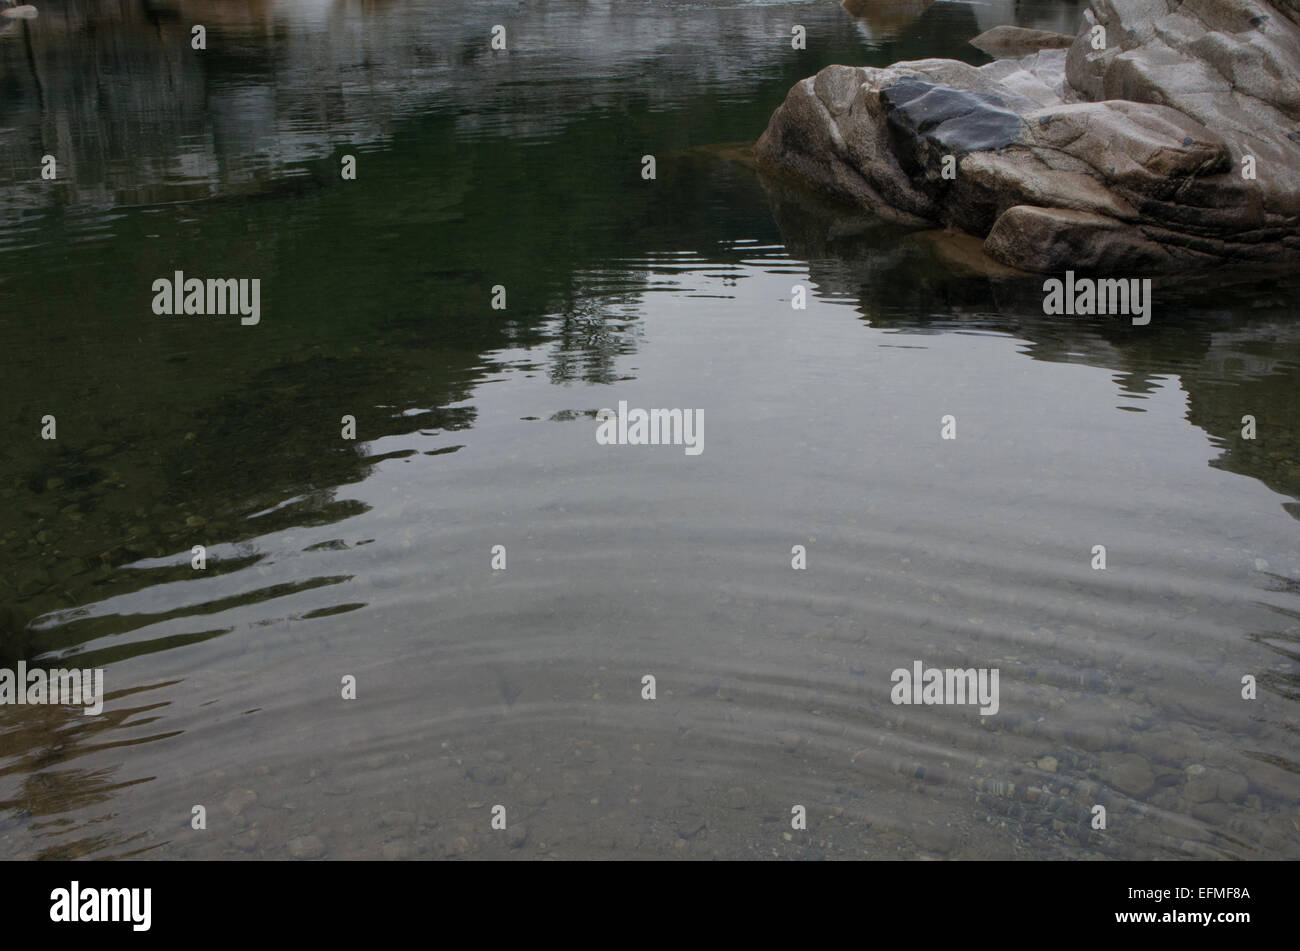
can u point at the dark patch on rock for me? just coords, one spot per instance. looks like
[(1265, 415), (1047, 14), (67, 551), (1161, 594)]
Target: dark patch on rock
[(928, 120)]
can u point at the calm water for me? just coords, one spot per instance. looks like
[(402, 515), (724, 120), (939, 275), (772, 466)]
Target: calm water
[(372, 558)]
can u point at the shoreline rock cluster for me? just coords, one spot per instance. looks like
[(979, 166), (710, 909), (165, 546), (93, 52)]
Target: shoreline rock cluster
[(1164, 136)]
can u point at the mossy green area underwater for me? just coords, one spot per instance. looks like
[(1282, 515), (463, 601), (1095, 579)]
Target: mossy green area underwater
[(372, 558)]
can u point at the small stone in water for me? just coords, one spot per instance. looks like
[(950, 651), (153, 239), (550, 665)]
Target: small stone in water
[(237, 800), (307, 847), (394, 851)]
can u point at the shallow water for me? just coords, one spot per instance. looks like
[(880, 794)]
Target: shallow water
[(523, 687)]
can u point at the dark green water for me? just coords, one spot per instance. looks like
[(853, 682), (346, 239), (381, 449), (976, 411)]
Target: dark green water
[(372, 558)]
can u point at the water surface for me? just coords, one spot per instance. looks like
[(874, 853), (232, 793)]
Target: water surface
[(372, 558)]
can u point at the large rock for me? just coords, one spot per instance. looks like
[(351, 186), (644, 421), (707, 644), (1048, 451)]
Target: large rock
[(1004, 41), (1126, 156)]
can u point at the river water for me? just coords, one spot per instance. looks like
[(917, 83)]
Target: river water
[(372, 559)]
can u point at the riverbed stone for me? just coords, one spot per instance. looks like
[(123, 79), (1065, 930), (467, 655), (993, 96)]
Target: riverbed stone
[(736, 798), (939, 839), (307, 847), (237, 800), (397, 819), (247, 840), (1210, 783), (397, 850), (1127, 772)]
